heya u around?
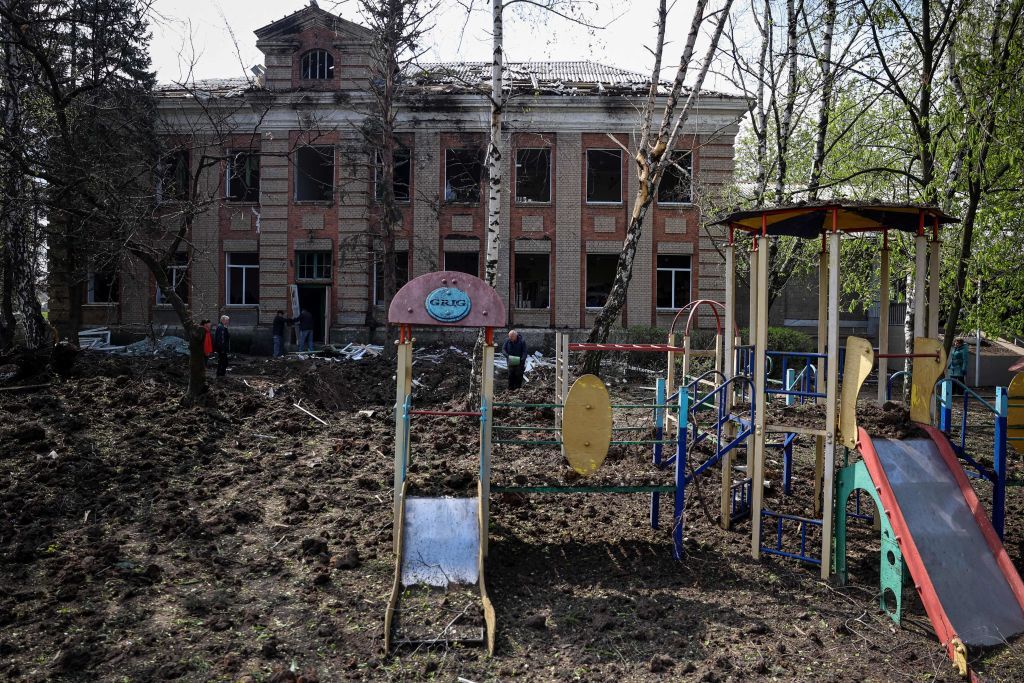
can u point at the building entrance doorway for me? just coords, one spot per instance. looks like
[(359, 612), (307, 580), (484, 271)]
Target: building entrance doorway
[(314, 299)]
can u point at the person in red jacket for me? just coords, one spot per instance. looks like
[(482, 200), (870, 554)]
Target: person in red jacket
[(207, 339)]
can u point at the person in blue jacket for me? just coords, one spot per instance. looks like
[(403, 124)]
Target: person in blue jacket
[(514, 351)]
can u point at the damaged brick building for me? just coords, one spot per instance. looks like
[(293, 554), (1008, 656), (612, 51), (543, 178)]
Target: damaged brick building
[(291, 205)]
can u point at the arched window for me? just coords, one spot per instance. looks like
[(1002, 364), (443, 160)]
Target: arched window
[(317, 65)]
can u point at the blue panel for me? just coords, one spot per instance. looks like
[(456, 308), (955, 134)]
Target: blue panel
[(448, 304)]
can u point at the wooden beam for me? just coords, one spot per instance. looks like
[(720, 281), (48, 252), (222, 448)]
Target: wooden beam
[(760, 327), (883, 321)]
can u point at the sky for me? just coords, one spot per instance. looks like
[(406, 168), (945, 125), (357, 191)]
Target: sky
[(214, 38)]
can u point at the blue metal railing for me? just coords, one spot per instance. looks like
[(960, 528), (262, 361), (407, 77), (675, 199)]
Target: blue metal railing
[(804, 523)]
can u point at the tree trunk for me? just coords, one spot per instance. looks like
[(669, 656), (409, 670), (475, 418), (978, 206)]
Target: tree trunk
[(785, 127), (825, 103), (494, 160), (198, 390)]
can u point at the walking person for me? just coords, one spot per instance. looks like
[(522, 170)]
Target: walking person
[(222, 344), (277, 330), (958, 364), (514, 351), (305, 330)]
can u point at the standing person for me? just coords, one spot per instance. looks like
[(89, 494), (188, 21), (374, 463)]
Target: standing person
[(958, 363), (515, 354), (305, 330), (207, 340), (222, 343), (277, 330)]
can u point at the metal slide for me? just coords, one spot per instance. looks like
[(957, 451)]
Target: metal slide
[(439, 546), (971, 591)]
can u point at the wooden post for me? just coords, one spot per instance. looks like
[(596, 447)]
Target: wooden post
[(831, 400), (933, 287), (729, 370), (670, 382), (486, 422), (821, 380), (558, 377), (687, 347), (403, 387), (760, 328), (920, 291), (883, 318), (752, 327)]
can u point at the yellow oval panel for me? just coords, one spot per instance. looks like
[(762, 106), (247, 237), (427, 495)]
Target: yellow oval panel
[(1015, 412), (586, 424)]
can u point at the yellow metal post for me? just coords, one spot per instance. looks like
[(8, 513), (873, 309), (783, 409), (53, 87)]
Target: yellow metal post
[(403, 387), (831, 401), (751, 332), (883, 320), (759, 326)]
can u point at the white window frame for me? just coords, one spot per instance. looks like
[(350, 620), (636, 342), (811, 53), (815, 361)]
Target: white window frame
[(376, 177), (689, 203), (586, 182), (176, 271), (585, 269), (515, 187), (328, 69), (674, 271), (547, 305), (227, 280)]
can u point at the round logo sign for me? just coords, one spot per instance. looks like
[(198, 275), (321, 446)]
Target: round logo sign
[(448, 304)]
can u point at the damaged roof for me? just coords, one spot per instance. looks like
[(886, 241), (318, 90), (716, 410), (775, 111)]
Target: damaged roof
[(206, 88)]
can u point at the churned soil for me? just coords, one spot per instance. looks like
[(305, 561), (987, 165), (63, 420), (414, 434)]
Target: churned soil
[(246, 541)]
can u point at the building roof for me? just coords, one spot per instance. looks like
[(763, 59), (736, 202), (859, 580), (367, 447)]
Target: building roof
[(811, 219)]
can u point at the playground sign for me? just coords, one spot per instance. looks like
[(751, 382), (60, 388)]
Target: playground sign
[(448, 304)]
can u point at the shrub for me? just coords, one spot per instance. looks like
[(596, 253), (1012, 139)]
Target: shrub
[(785, 339)]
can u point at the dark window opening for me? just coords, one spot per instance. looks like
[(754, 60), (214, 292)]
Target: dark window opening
[(463, 262), (532, 278), (403, 176), (243, 281), (314, 174), (676, 185), (463, 171), (177, 277), (600, 276), (317, 65), (313, 265), (172, 177), (673, 287), (243, 177), (604, 175), (104, 287), (401, 275), (533, 175)]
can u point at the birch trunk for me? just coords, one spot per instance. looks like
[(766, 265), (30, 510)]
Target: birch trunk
[(825, 104), (786, 125), (494, 160)]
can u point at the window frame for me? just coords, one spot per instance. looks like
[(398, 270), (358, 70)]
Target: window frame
[(376, 175), (317, 266), (586, 188), (229, 174), (480, 181), (334, 171), (181, 263), (674, 271), (453, 251), (244, 267), (90, 295), (515, 280), (328, 65), (183, 193), (689, 154), (586, 274), (533, 202)]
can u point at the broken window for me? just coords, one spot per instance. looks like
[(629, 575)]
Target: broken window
[(172, 177), (243, 183), (177, 277), (604, 176), (104, 287), (533, 175), (243, 279), (463, 262), (676, 182), (673, 280), (401, 275), (314, 173), (317, 65), (403, 175), (600, 275), (532, 277), (313, 265), (463, 170)]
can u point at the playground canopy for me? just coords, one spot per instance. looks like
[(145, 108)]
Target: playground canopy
[(812, 219)]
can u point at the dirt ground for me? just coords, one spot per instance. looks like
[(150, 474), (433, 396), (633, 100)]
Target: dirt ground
[(249, 542)]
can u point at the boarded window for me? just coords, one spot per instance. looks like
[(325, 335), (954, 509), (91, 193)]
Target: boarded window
[(243, 184), (172, 177), (463, 171), (403, 175), (676, 183), (463, 262), (313, 265), (314, 173), (177, 277), (532, 280), (600, 275), (604, 175), (533, 175), (401, 275), (243, 279), (317, 65), (104, 286), (673, 281)]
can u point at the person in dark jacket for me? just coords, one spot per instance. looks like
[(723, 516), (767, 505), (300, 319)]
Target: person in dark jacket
[(277, 330), (514, 351), (305, 330), (222, 345)]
